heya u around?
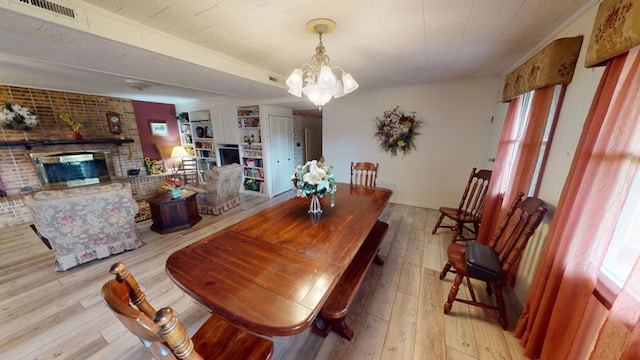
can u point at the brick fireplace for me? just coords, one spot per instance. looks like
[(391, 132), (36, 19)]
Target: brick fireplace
[(16, 169)]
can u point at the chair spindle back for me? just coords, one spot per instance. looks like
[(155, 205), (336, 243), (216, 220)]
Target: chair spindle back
[(364, 173), (475, 192), (512, 236)]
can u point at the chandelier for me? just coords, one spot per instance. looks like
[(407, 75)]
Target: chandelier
[(319, 81)]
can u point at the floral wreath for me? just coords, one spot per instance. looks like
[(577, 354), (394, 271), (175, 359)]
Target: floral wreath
[(396, 131)]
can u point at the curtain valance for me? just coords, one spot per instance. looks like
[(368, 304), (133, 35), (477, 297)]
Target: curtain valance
[(550, 66), (615, 31)]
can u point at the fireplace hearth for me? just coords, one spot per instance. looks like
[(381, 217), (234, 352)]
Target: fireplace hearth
[(59, 170)]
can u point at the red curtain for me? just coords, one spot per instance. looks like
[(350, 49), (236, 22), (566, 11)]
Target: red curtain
[(494, 197), (523, 165), (527, 157), (606, 160)]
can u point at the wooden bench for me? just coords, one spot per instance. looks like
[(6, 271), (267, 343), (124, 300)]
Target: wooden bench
[(333, 313)]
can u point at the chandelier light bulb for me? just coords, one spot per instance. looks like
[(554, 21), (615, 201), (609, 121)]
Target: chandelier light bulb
[(295, 79), (294, 82), (338, 89), (326, 78), (349, 83), (319, 81)]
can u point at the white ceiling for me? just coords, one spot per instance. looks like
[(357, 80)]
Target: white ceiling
[(191, 49)]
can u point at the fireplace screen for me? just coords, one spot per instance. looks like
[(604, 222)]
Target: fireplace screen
[(67, 169)]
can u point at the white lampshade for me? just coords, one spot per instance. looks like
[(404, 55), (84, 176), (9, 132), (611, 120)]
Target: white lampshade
[(326, 79), (338, 89), (349, 83), (294, 82), (179, 152), (295, 91)]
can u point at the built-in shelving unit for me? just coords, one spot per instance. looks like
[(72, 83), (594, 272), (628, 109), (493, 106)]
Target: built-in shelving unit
[(203, 143), (251, 149), (186, 138)]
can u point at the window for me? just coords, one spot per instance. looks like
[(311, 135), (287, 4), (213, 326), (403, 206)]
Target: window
[(554, 112), (519, 133), (624, 248), (525, 109)]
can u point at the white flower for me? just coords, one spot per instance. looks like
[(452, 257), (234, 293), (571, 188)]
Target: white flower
[(314, 177), (6, 115), (17, 117)]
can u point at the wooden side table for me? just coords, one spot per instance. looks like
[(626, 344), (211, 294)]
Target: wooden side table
[(170, 214)]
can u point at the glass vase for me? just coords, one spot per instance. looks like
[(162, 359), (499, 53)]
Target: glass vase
[(314, 206), (176, 193)]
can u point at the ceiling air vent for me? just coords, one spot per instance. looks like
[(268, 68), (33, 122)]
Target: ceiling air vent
[(53, 7)]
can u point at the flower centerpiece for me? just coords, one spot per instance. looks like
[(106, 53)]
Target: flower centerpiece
[(150, 166), (174, 186), (314, 179), (16, 117), (396, 131)]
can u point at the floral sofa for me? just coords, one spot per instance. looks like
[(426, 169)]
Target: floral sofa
[(221, 191), (86, 223)]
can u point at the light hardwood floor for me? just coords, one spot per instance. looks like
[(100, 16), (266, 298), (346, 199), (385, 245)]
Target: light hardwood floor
[(397, 313)]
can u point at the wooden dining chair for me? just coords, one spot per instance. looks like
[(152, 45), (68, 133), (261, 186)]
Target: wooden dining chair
[(163, 333), (188, 171), (506, 247), (364, 173), (469, 210)]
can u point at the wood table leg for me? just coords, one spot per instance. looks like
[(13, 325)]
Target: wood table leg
[(341, 327), (324, 326)]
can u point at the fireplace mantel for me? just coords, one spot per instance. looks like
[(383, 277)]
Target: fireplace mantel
[(29, 144)]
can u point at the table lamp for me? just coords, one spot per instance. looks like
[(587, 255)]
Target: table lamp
[(179, 152)]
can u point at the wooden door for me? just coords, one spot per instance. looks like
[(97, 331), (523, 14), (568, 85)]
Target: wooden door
[(281, 153)]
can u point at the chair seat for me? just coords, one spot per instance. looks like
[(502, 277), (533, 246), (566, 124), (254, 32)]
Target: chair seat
[(215, 339), (455, 254), (459, 215)]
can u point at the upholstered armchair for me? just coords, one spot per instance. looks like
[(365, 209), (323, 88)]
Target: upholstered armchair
[(221, 191), (86, 223)]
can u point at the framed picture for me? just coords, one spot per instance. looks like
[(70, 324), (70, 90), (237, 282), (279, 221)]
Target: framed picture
[(159, 128)]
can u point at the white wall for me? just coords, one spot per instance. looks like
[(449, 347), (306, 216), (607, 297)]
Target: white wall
[(453, 139)]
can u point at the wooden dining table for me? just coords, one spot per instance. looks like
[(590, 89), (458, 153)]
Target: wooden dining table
[(272, 272)]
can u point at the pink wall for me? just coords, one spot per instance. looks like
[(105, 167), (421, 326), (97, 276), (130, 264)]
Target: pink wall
[(148, 112)]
